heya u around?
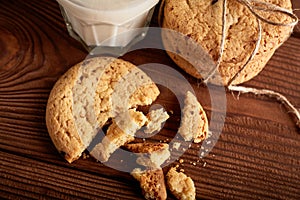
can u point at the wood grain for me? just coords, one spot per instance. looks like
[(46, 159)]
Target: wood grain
[(256, 157)]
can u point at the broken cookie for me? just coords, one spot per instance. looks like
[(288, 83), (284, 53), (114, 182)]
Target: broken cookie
[(181, 186), (155, 120), (150, 155), (194, 123), (152, 183), (119, 133), (82, 101)]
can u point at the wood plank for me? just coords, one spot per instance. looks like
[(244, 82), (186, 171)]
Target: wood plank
[(23, 177)]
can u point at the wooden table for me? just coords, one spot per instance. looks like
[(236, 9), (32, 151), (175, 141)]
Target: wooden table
[(256, 157)]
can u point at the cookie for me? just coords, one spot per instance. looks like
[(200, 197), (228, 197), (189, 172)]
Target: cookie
[(181, 186), (201, 21), (194, 123), (155, 120), (152, 183), (87, 95), (153, 155), (119, 133)]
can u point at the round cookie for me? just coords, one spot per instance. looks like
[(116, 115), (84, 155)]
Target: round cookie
[(81, 101), (202, 22)]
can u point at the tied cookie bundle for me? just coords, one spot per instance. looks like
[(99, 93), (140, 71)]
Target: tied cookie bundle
[(237, 36)]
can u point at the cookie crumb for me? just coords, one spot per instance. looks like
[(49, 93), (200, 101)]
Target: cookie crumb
[(202, 154), (176, 145), (85, 156)]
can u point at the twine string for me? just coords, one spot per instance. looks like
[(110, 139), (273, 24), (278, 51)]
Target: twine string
[(255, 50), (254, 5), (257, 5), (279, 97), (222, 45)]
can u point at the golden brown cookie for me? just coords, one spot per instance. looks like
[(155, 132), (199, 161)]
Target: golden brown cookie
[(152, 183), (155, 120), (119, 133), (194, 123), (153, 155), (181, 186), (87, 95), (202, 22)]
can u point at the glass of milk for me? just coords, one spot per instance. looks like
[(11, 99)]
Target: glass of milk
[(107, 23)]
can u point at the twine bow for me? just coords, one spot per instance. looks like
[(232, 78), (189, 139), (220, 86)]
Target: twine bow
[(255, 7)]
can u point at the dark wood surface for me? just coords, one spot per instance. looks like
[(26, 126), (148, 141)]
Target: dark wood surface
[(256, 157)]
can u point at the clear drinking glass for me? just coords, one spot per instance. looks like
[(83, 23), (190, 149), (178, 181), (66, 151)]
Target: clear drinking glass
[(107, 24)]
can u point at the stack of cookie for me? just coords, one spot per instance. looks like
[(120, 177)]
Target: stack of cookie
[(201, 22)]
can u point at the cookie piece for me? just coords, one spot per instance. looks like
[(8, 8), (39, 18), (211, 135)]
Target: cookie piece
[(119, 133), (194, 123), (152, 183), (81, 101), (202, 22), (181, 186), (155, 120), (152, 155)]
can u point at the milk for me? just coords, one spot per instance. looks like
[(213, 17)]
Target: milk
[(113, 23)]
